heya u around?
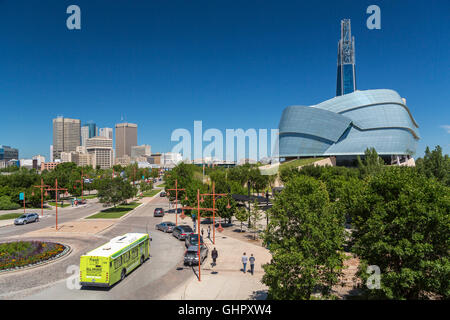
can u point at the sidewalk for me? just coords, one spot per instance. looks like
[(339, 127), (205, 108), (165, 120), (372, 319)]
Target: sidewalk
[(225, 280)]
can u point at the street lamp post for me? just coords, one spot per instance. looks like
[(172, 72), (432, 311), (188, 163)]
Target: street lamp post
[(199, 219), (41, 186), (214, 194), (56, 189), (82, 184), (176, 199)]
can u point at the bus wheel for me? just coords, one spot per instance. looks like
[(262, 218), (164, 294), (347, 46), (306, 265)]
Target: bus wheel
[(123, 274), (142, 259)]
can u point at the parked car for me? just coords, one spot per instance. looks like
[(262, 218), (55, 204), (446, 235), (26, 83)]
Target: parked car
[(207, 221), (27, 218), (192, 240), (159, 212), (162, 194), (182, 231), (191, 255), (165, 226)]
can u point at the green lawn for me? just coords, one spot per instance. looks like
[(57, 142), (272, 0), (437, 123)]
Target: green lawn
[(150, 193), (59, 204), (92, 196), (9, 216), (114, 213), (163, 185), (299, 162)]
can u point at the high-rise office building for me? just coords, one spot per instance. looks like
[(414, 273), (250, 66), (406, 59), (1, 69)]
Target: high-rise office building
[(92, 129), (84, 135), (89, 130), (66, 135), (7, 153), (105, 132), (101, 150), (346, 73), (126, 137)]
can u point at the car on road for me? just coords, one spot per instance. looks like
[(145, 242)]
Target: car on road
[(162, 194), (191, 255), (192, 240), (27, 218), (159, 212), (180, 232), (166, 226)]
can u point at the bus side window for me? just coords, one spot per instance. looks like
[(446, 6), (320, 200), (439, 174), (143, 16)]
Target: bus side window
[(118, 262), (126, 257)]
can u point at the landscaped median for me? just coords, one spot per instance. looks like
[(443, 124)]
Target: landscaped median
[(151, 193), (59, 204), (23, 254), (10, 216), (116, 212)]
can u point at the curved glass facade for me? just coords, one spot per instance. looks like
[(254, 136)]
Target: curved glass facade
[(348, 125)]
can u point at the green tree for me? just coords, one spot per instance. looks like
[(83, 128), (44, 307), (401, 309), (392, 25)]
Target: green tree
[(255, 216), (305, 236), (114, 191), (371, 164), (402, 225), (242, 215), (436, 165), (223, 210), (7, 204)]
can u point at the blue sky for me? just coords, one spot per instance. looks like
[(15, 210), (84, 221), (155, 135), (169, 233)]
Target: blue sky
[(232, 64)]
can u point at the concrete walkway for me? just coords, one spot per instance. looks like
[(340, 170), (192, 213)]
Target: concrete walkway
[(225, 280)]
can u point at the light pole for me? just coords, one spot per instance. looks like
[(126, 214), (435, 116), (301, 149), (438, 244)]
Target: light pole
[(176, 199), (56, 189), (214, 194), (41, 186), (198, 227)]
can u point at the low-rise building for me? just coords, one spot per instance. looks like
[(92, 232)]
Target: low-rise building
[(49, 165), (124, 161), (101, 149)]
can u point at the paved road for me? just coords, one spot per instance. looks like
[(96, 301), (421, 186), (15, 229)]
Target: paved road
[(154, 279), (64, 215)]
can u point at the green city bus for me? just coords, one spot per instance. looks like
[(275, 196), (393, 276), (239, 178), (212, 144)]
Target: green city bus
[(106, 265)]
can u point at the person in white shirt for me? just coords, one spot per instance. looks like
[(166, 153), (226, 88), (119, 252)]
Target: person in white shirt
[(244, 261)]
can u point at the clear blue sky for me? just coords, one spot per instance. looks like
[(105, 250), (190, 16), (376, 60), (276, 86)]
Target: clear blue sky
[(233, 64)]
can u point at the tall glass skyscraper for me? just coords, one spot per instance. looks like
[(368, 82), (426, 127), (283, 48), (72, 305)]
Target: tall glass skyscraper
[(346, 73)]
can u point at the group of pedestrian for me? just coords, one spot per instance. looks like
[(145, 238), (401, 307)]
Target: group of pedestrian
[(209, 232), (246, 259)]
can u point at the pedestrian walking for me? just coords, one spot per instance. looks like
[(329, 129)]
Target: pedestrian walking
[(202, 232), (252, 263), (244, 261), (209, 232), (214, 256)]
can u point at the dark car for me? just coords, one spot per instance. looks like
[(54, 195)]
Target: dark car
[(191, 255), (192, 240), (181, 232), (159, 212), (165, 226), (27, 218), (162, 194)]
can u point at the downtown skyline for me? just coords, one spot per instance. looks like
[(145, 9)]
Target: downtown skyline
[(165, 65)]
